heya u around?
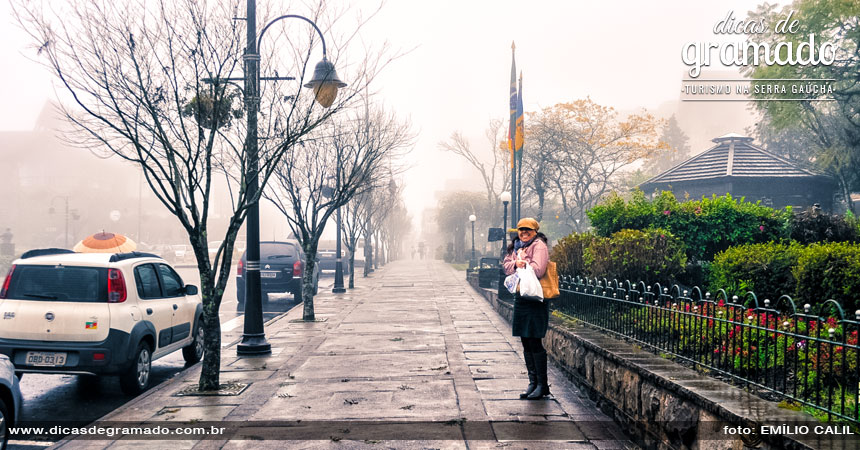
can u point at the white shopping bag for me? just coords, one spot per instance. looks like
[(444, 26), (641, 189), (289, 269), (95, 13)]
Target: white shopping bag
[(511, 282), (529, 285)]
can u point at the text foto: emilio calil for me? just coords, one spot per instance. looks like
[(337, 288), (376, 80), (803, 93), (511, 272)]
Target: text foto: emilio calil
[(833, 430)]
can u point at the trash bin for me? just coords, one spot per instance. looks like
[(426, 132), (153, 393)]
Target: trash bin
[(488, 273)]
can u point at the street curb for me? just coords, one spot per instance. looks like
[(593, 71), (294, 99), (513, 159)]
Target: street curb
[(181, 377)]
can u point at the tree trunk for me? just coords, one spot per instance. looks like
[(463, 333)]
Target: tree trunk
[(308, 286), (541, 200), (211, 371), (351, 271), (368, 253)]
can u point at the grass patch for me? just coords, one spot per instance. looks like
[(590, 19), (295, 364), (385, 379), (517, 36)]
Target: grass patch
[(460, 267)]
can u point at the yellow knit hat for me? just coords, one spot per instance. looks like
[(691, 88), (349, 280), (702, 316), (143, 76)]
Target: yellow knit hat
[(528, 222)]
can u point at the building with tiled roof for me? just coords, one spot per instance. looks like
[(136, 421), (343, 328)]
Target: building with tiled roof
[(737, 167)]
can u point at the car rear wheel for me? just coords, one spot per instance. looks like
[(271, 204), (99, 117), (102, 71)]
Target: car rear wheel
[(136, 379), (193, 353), (4, 424)]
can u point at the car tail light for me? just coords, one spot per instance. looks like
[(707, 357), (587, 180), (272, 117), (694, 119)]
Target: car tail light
[(8, 280), (116, 286), (239, 268), (297, 269), (98, 356)]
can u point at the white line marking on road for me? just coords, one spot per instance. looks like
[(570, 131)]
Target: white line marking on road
[(232, 324)]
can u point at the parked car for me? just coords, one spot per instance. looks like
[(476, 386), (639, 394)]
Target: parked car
[(10, 399), (328, 259), (281, 268), (97, 314)]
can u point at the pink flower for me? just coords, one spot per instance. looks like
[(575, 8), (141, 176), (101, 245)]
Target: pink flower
[(667, 212), (761, 228)]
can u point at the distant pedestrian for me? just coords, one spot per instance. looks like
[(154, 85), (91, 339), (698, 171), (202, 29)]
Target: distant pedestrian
[(531, 318)]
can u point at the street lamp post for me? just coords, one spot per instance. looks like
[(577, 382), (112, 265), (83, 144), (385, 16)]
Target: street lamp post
[(338, 265), (505, 197), (325, 84), (472, 219)]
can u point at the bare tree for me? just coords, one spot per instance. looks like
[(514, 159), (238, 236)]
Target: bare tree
[(493, 164), (591, 145), (338, 162), (543, 144), (396, 229), (352, 222), (137, 73)]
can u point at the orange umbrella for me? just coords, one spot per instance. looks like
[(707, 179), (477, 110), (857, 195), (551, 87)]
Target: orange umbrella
[(105, 243)]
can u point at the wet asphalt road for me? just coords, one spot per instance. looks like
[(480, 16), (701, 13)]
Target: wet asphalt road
[(70, 397)]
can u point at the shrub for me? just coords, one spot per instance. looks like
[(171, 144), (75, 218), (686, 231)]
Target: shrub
[(765, 269), (813, 225), (614, 214), (826, 271), (707, 226), (568, 252), (650, 256)]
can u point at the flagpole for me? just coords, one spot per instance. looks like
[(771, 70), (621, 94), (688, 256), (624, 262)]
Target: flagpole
[(512, 135), (520, 149)]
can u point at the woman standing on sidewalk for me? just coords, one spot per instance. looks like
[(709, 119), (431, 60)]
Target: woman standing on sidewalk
[(531, 318)]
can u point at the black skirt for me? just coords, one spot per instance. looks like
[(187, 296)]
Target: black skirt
[(531, 318)]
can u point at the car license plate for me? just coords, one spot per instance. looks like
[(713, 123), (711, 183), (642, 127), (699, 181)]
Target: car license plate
[(46, 359), (268, 274)]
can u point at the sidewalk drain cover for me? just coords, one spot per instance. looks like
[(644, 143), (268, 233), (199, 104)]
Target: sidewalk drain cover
[(398, 285), (226, 389), (309, 321)]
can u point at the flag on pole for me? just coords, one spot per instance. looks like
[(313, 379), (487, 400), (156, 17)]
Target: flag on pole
[(519, 137), (513, 104)]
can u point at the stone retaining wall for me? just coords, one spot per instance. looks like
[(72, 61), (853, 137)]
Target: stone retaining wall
[(662, 404)]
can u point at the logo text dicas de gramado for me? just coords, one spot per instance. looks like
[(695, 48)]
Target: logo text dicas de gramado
[(748, 52)]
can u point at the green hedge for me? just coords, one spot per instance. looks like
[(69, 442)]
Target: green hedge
[(761, 268), (568, 253), (813, 225), (707, 226), (809, 274), (826, 271), (651, 256)]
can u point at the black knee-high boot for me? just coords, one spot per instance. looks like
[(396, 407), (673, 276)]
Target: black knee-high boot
[(542, 389), (532, 370)]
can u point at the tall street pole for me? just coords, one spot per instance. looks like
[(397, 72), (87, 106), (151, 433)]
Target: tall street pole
[(338, 265), (512, 129), (253, 337)]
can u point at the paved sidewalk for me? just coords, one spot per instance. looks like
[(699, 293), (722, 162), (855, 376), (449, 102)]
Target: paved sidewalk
[(412, 343)]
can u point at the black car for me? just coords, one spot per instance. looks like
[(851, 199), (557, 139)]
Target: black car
[(281, 268), (328, 261)]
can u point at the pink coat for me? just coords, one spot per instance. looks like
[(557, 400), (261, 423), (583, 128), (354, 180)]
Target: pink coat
[(536, 254)]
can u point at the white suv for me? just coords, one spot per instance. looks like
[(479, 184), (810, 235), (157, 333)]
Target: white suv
[(97, 313)]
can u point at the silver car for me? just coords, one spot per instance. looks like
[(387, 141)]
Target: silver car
[(10, 399)]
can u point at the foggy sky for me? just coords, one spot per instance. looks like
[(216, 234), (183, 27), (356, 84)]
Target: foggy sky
[(625, 54)]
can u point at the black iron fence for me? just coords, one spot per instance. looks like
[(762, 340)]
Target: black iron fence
[(808, 356)]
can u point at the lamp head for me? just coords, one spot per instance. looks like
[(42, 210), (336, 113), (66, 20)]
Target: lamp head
[(472, 218), (325, 83), (505, 197)]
